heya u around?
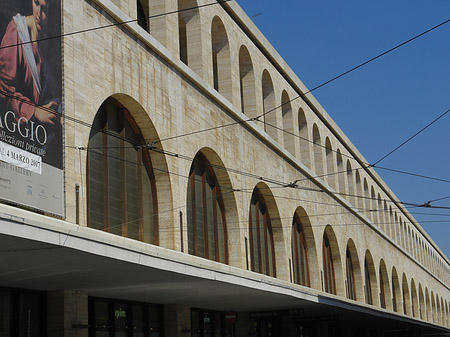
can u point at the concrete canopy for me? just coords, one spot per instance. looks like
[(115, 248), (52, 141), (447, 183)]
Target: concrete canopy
[(66, 256)]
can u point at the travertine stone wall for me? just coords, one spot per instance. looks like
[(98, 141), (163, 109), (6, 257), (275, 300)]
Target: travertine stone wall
[(168, 98)]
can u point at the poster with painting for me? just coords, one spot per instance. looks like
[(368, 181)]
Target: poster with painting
[(31, 127)]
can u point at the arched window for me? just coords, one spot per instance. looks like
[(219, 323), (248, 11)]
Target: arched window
[(422, 313), (304, 138), (268, 96), (247, 83), (382, 291), (288, 123), (318, 151), (374, 208), (328, 267), (299, 253), (189, 33), (262, 253), (351, 290), (341, 174), (414, 300), (329, 158), (396, 299), (121, 184), (221, 58), (350, 183), (207, 232), (143, 14), (367, 283), (385, 293), (358, 192)]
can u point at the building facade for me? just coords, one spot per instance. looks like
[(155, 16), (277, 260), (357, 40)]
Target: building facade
[(192, 188)]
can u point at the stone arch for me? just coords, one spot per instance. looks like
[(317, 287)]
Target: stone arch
[(367, 203), (221, 58), (438, 310), (225, 191), (247, 83), (329, 159), (380, 212), (433, 308), (281, 267), (332, 273), (447, 318), (318, 151), (305, 143), (422, 308), (350, 183), (288, 122), (312, 258), (268, 97), (359, 195), (142, 124), (370, 280), (374, 208), (385, 217), (353, 277), (385, 290), (341, 174), (429, 312), (414, 299), (390, 222), (408, 242), (190, 35), (406, 298), (397, 304), (396, 228)]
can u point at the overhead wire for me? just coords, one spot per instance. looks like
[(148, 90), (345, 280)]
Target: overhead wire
[(329, 81), (412, 137), (316, 87), (121, 23)]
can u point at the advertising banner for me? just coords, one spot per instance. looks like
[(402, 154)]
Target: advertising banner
[(31, 146)]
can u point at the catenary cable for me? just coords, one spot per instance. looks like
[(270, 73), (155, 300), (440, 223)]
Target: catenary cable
[(113, 24), (410, 138)]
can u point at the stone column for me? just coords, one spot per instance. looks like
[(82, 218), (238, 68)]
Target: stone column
[(177, 320), (67, 313)]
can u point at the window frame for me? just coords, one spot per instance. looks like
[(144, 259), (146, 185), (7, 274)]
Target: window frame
[(257, 202), (143, 164), (299, 253), (206, 168)]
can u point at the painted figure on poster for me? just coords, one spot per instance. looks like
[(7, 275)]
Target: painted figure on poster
[(30, 72), (22, 65)]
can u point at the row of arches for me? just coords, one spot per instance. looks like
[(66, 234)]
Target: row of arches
[(125, 189), (301, 136)]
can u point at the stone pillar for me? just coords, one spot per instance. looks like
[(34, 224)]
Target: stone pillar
[(67, 313), (177, 320)]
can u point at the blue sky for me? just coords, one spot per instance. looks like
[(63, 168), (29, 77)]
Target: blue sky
[(385, 102)]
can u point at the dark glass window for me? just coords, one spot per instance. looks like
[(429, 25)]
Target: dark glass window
[(22, 313), (299, 253), (205, 323), (368, 285), (5, 313), (394, 295), (351, 292), (262, 254), (121, 184), (143, 15), (382, 292), (328, 267), (207, 233), (124, 319)]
